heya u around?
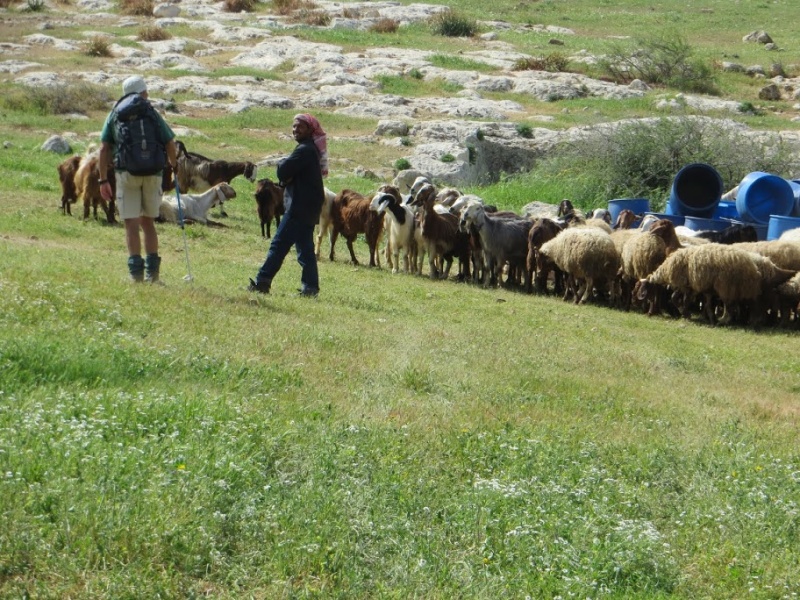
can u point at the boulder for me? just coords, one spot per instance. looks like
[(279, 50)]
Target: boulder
[(167, 10), (57, 144)]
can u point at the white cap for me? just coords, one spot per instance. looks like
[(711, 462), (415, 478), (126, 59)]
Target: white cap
[(134, 85)]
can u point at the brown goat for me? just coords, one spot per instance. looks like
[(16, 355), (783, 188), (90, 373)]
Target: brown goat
[(442, 237), (88, 188), (543, 230), (198, 173), (350, 215), (269, 204), (66, 175)]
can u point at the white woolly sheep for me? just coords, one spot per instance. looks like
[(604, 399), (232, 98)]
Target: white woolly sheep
[(587, 256), (784, 254)]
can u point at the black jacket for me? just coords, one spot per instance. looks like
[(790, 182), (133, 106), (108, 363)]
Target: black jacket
[(300, 173)]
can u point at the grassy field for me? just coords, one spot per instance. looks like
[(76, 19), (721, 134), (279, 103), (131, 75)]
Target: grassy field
[(395, 438)]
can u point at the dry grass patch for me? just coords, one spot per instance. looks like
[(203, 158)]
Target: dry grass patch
[(98, 46), (139, 8), (351, 13), (238, 6), (384, 25), (313, 18), (153, 33), (287, 7), (555, 62), (6, 3)]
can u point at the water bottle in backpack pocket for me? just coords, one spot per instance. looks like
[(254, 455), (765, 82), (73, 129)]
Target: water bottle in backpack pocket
[(140, 150)]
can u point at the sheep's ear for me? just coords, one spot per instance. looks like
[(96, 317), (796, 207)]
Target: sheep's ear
[(642, 287)]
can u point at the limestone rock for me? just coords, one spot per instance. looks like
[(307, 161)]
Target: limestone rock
[(57, 144), (167, 10)]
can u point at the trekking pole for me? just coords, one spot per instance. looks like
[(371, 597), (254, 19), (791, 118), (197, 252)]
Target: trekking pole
[(183, 228)]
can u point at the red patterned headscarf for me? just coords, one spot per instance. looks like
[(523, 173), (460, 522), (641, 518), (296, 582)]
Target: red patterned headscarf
[(319, 137)]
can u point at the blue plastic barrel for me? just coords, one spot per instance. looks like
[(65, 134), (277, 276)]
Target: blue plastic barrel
[(696, 191), (726, 210), (778, 224), (761, 195), (701, 224), (795, 185), (639, 206)]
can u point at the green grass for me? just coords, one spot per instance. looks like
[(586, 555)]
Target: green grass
[(397, 437)]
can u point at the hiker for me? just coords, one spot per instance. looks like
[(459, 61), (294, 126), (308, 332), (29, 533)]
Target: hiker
[(301, 174), (140, 142)]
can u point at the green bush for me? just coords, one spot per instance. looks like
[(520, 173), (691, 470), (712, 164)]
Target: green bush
[(401, 164), (525, 130), (665, 60), (452, 24), (98, 46), (447, 158), (640, 160)]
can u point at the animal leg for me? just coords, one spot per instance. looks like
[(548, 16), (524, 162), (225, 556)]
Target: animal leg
[(353, 258), (334, 236)]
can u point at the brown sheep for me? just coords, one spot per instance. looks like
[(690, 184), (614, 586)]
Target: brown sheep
[(88, 188), (351, 215), (543, 230), (441, 236)]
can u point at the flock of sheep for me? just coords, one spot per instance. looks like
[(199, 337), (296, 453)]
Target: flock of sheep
[(724, 277)]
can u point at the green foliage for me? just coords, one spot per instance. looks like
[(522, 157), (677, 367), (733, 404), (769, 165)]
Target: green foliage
[(409, 85), (524, 130), (35, 5), (453, 24), (447, 158), (415, 73), (640, 159), (664, 59), (406, 141), (59, 99), (401, 164)]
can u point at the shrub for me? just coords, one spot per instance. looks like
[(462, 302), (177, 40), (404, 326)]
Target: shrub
[(57, 100), (384, 26), (153, 33), (287, 7), (238, 6), (665, 60), (314, 18), (554, 63), (525, 130), (447, 158), (351, 13), (452, 24), (140, 8), (405, 141), (415, 73), (401, 164), (36, 5), (98, 45), (640, 160)]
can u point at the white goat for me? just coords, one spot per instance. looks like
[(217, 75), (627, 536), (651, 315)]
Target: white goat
[(195, 206), (401, 225)]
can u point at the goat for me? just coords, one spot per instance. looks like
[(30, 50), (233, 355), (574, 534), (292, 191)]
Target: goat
[(350, 215), (66, 175), (543, 230), (269, 204), (502, 240), (738, 232), (441, 236), (400, 217), (195, 207), (88, 188), (325, 222), (198, 173)]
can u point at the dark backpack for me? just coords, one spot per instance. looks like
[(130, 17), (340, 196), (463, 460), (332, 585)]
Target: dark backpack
[(140, 150)]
